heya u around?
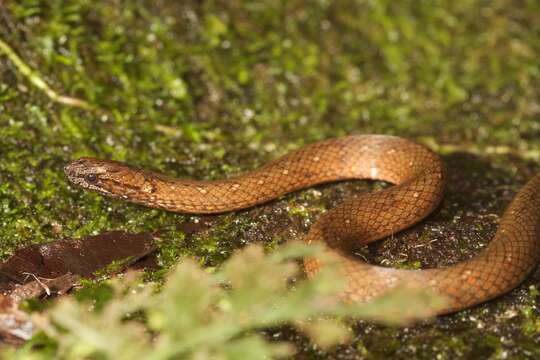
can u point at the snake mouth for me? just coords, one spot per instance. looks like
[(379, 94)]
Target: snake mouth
[(70, 171)]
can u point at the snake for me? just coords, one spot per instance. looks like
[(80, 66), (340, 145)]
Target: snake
[(418, 178)]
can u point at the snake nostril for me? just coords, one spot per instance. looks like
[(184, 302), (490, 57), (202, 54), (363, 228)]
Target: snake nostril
[(67, 169)]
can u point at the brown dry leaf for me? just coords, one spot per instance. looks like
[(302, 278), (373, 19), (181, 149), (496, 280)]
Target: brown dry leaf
[(54, 268), (77, 257)]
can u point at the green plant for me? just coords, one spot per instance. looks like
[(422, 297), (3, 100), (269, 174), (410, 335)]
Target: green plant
[(219, 315)]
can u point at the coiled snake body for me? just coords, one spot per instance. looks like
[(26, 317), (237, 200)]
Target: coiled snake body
[(418, 175)]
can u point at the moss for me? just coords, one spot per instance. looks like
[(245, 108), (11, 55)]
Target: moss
[(209, 89)]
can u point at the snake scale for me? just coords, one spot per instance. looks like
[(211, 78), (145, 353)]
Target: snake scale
[(418, 176)]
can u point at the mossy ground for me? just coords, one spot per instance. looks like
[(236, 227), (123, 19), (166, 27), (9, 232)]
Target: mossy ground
[(206, 89)]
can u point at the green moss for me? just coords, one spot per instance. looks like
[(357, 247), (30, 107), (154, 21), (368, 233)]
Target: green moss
[(97, 294)]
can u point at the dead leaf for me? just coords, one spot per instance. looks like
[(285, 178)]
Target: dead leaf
[(54, 268), (77, 257)]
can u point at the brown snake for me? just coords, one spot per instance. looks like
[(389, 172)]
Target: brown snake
[(418, 175)]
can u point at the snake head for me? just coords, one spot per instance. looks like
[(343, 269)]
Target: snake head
[(106, 177)]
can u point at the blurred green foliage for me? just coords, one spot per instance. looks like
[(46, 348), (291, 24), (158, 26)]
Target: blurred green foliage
[(201, 315)]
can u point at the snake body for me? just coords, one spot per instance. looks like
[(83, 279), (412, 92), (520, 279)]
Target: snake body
[(418, 176)]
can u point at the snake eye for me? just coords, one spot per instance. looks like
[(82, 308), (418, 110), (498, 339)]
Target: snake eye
[(91, 178)]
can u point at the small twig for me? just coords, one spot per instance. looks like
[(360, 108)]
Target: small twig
[(45, 287), (38, 82), (36, 288)]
